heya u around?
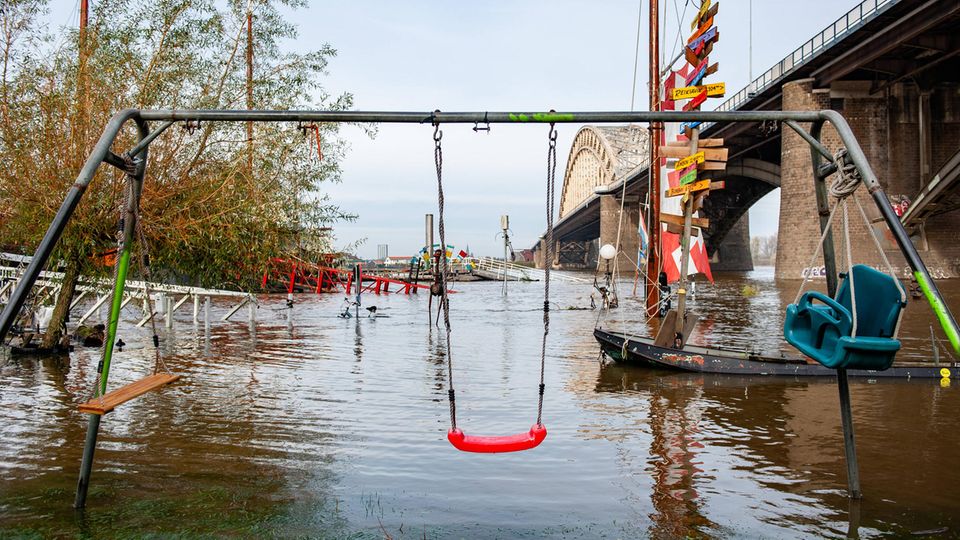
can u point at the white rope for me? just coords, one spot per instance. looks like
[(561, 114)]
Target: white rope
[(886, 262), (845, 184), (816, 252), (853, 291)]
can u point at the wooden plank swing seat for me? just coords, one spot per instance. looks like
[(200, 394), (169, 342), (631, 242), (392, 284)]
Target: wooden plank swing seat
[(114, 398)]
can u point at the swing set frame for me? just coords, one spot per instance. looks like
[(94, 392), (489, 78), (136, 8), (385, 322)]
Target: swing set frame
[(133, 163)]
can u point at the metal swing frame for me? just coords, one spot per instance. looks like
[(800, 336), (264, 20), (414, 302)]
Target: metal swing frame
[(133, 163)]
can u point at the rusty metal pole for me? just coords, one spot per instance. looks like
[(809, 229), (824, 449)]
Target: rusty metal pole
[(249, 88), (656, 131), (84, 15)]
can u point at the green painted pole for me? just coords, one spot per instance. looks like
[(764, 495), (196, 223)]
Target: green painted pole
[(93, 425), (123, 265)]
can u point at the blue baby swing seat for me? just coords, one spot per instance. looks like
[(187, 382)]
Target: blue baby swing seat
[(824, 331)]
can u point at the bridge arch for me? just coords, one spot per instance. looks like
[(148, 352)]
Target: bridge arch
[(747, 181), (600, 156)]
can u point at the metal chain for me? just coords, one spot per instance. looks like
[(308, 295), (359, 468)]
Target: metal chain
[(444, 302), (548, 262), (144, 262)]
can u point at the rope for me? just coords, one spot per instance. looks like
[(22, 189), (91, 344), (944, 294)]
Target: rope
[(816, 252), (444, 302), (121, 241), (548, 261), (844, 185), (886, 262), (853, 289)]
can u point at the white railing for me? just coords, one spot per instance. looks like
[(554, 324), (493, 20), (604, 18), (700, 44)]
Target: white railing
[(853, 19), (48, 283), (517, 272)]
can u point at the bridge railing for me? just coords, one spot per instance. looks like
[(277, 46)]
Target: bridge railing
[(853, 19)]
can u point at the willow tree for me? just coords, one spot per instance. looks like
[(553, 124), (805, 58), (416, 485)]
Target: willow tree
[(209, 217)]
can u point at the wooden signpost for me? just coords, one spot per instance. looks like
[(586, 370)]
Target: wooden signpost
[(694, 157)]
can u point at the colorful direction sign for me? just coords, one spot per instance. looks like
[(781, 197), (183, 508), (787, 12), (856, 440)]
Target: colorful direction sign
[(699, 157), (687, 92), (689, 188)]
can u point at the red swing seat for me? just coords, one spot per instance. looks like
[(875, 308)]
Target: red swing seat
[(494, 444)]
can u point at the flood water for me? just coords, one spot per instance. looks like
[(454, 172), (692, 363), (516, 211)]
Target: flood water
[(309, 425)]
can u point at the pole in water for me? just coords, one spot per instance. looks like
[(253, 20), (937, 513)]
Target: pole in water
[(428, 237), (358, 280), (849, 443), (505, 226), (206, 313), (86, 463)]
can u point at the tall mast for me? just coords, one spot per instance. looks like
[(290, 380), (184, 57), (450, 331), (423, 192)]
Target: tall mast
[(84, 13), (249, 88), (656, 129)]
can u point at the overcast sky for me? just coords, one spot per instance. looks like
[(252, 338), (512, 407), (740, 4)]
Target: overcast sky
[(504, 55)]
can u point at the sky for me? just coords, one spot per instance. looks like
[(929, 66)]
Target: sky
[(503, 55)]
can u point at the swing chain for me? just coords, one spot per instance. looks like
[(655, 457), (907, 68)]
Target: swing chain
[(144, 262), (444, 302), (548, 260)]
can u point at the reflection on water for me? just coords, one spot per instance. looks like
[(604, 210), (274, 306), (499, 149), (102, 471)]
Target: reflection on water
[(307, 424)]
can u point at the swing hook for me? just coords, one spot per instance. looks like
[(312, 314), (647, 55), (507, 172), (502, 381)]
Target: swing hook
[(553, 131), (437, 134), (190, 126), (476, 125)]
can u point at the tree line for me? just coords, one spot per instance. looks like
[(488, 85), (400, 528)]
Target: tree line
[(764, 250)]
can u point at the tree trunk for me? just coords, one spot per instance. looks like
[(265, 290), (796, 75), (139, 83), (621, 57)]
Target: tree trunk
[(62, 308)]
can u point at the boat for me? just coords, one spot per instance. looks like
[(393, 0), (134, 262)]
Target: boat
[(691, 358)]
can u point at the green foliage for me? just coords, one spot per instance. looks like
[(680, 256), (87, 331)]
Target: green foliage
[(210, 218)]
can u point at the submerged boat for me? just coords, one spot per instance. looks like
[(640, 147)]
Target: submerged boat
[(642, 351)]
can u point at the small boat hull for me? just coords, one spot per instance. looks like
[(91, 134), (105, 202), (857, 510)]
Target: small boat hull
[(642, 351)]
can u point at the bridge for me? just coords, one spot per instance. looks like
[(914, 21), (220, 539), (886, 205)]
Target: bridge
[(892, 67)]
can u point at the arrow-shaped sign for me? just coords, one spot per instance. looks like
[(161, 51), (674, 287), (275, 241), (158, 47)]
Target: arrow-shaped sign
[(697, 101), (689, 188), (699, 157), (703, 11), (687, 92)]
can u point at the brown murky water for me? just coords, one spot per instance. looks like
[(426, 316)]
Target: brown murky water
[(310, 425)]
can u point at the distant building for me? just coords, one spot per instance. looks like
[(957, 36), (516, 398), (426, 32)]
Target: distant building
[(383, 251)]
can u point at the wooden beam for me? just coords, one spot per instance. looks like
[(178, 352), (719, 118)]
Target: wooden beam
[(703, 143), (703, 223), (678, 229), (680, 152)]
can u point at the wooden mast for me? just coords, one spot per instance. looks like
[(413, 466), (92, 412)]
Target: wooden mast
[(656, 131)]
